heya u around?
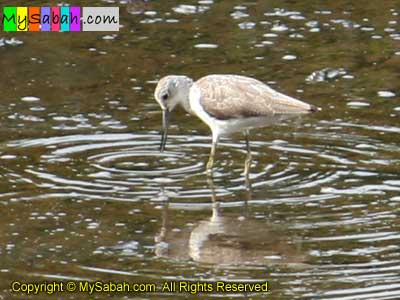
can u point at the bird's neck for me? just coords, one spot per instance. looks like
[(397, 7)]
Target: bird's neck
[(185, 103), (184, 99)]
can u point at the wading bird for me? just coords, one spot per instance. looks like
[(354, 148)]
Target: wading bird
[(227, 104)]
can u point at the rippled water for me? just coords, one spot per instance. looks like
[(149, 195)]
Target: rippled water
[(86, 195)]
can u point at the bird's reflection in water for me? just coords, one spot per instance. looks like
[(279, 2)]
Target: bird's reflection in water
[(229, 239)]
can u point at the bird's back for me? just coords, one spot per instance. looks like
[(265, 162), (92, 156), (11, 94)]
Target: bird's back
[(234, 96)]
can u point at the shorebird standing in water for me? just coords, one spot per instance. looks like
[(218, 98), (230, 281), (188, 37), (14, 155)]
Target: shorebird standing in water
[(227, 104)]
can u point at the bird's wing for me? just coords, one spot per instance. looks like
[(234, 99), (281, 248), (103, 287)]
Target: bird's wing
[(234, 96)]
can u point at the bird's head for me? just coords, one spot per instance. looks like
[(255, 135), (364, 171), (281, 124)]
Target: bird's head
[(170, 91)]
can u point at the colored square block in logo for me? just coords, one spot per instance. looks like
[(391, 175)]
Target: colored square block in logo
[(45, 22), (22, 19), (64, 18), (75, 22), (55, 19), (10, 18), (34, 18)]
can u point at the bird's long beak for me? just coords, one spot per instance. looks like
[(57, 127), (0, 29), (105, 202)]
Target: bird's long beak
[(165, 123)]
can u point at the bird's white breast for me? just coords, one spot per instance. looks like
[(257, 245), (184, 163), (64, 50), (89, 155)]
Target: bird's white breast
[(195, 104)]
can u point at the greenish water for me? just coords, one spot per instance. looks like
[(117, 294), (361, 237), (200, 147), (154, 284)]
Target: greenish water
[(86, 195)]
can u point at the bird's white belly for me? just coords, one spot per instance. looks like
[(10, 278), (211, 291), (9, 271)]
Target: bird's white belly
[(227, 127)]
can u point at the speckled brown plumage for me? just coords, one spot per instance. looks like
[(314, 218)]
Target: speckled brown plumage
[(233, 96)]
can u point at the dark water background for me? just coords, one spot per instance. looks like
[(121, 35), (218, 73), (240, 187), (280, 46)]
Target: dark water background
[(86, 195)]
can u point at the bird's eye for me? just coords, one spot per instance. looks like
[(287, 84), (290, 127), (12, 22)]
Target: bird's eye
[(164, 97)]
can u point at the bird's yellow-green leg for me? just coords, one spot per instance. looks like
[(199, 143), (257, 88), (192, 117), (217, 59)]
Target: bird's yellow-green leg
[(247, 163), (212, 154), (211, 159)]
